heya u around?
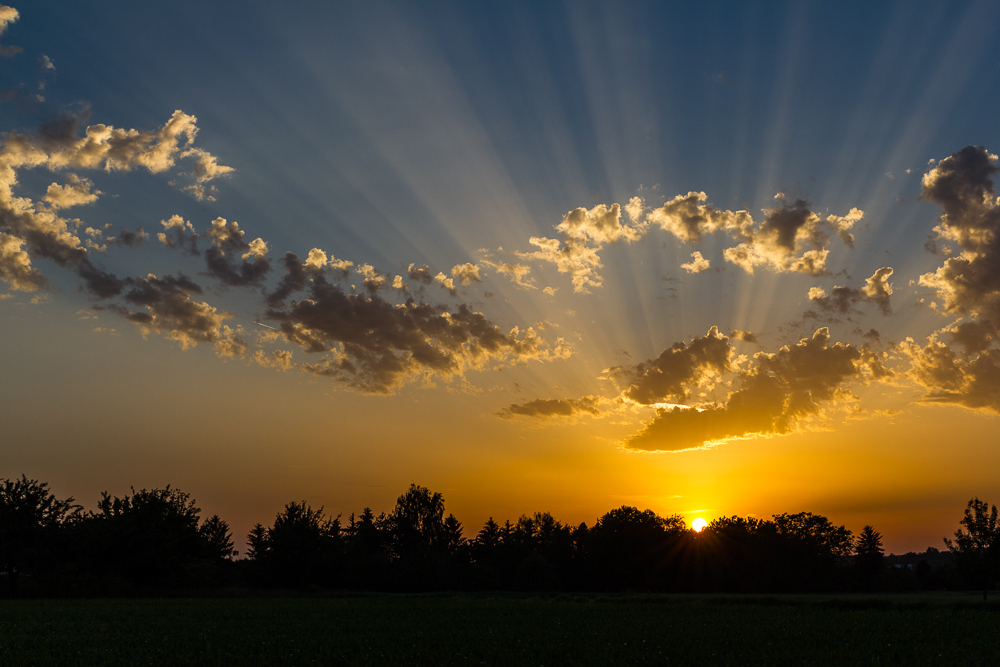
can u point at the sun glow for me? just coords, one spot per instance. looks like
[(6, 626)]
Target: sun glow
[(698, 525)]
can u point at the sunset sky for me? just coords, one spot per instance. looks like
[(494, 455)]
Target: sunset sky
[(535, 256)]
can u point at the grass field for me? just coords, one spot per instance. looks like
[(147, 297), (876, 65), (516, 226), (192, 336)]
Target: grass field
[(502, 630)]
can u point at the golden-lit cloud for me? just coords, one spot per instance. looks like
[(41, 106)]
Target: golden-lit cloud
[(670, 377), (168, 309), (697, 263), (968, 283), (76, 192), (777, 393), (843, 300), (227, 245), (15, 265), (584, 233), (376, 346), (7, 16)]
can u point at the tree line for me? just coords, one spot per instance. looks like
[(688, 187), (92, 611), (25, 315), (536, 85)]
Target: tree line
[(156, 542)]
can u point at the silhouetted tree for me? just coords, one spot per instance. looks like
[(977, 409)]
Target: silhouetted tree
[(813, 548), (869, 556), (31, 519), (302, 547), (977, 548), (744, 554), (152, 538), (630, 549), (426, 546)]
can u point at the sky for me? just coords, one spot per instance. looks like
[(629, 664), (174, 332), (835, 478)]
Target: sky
[(704, 259)]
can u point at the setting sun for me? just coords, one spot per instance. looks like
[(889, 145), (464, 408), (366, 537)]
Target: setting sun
[(698, 525)]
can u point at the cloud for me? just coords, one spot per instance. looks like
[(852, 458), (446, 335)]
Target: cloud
[(374, 280), (518, 273), (968, 284), (962, 185), (170, 310), (584, 232), (466, 273), (128, 239), (446, 282), (421, 274), (15, 266), (57, 146), (227, 243), (779, 392), (688, 218), (76, 192), (744, 336), (7, 16), (672, 375), (877, 290), (546, 408), (376, 346), (790, 238), (179, 233), (697, 263), (206, 168)]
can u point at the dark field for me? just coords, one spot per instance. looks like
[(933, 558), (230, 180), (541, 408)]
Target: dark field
[(502, 630)]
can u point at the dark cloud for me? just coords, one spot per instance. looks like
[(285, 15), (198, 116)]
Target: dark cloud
[(871, 335), (128, 238), (968, 283), (97, 281), (179, 233), (375, 345), (843, 300), (671, 376), (745, 336), (775, 394), (422, 274), (227, 245), (551, 407), (168, 309), (294, 280)]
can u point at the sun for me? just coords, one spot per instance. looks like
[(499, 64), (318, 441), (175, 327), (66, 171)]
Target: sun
[(698, 525)]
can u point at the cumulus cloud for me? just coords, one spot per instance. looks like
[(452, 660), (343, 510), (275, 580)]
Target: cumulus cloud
[(745, 336), (420, 274), (57, 146), (584, 232), (877, 290), (518, 273), (689, 218), (671, 376), (374, 280), (790, 238), (697, 263), (777, 393), (377, 346), (965, 372), (76, 192), (446, 282), (466, 273), (168, 309), (544, 408), (962, 185), (227, 244), (7, 16), (128, 238), (179, 233), (15, 265)]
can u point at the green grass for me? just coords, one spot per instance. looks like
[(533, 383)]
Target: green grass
[(502, 630)]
